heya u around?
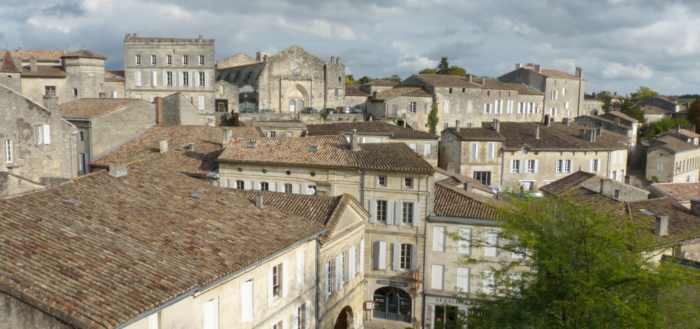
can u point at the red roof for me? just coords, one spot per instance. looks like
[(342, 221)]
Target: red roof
[(8, 64)]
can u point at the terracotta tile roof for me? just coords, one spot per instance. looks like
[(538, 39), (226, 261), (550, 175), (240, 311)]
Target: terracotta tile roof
[(552, 73), (446, 80), (618, 114), (673, 144), (298, 124), (26, 55), (43, 71), (453, 202), (457, 181), (88, 108), (367, 128), (679, 191), (477, 134), (317, 209), (401, 91), (8, 64), (83, 53), (382, 83), (564, 184), (101, 251), (474, 82), (355, 92), (136, 38), (114, 76), (325, 152)]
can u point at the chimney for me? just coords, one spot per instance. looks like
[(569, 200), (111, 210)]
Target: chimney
[(228, 136), (337, 60), (332, 59), (51, 103), (258, 56), (567, 122), (163, 146), (467, 186), (579, 72), (538, 68), (259, 200), (158, 103), (354, 141), (662, 225), (118, 170), (518, 66), (695, 206), (537, 132), (496, 125), (33, 67)]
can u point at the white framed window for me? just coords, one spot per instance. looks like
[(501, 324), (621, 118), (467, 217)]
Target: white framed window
[(381, 180), (330, 277), (465, 237), (437, 276), (439, 238), (427, 150), (137, 59), (169, 59), (446, 106), (559, 166), (406, 261), (475, 151), (412, 107), (532, 166), (491, 151), (154, 79), (9, 151), (169, 78), (462, 279), (594, 165), (491, 245), (515, 166), (202, 79), (185, 60), (154, 59), (201, 103), (138, 81), (247, 306), (407, 212), (210, 314), (567, 166), (277, 280), (201, 59), (43, 134), (301, 317), (185, 79)]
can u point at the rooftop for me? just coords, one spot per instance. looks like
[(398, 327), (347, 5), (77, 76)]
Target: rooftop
[(551, 73), (454, 202), (679, 191), (673, 144), (566, 183), (136, 38), (401, 91), (8, 64), (89, 108), (25, 54), (83, 53), (622, 116), (473, 82), (355, 92), (383, 82), (367, 128), (43, 71), (330, 152), (114, 76)]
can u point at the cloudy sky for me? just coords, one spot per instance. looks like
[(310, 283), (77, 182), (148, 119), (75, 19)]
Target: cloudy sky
[(620, 44)]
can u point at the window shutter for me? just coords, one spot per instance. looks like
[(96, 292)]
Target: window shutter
[(206, 79), (326, 286), (270, 296), (181, 79), (211, 314), (300, 269), (362, 255), (153, 321), (414, 257), (38, 132), (351, 263), (426, 150), (465, 241), (285, 279), (375, 255), (165, 78), (396, 256), (390, 212), (247, 301), (295, 319), (194, 79), (491, 245), (382, 255), (537, 164), (398, 212), (438, 238), (372, 205), (256, 186), (154, 78), (338, 272), (436, 274)]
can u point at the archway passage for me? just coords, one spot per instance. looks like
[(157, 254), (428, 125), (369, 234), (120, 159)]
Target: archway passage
[(392, 304), (345, 319)]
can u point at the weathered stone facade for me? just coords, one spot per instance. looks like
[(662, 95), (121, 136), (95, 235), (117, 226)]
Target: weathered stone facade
[(160, 67), (287, 82)]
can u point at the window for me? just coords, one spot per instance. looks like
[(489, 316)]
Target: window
[(330, 276), (426, 150), (408, 182), (462, 279), (412, 106), (50, 91), (75, 92), (491, 151), (436, 277), (240, 185), (9, 152), (515, 166), (154, 59), (202, 79), (379, 255), (185, 60), (475, 152), (484, 177), (594, 166), (169, 78), (406, 254), (301, 317), (438, 238), (288, 188), (170, 59), (43, 134), (277, 280), (264, 186), (381, 180), (465, 236), (559, 167), (532, 166), (567, 166), (381, 210), (407, 213), (311, 189), (138, 59), (446, 106), (82, 163), (201, 59), (154, 79), (247, 307), (185, 79), (210, 314), (491, 245)]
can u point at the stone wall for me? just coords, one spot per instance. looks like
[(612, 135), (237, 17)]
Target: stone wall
[(86, 76), (178, 110), (132, 121)]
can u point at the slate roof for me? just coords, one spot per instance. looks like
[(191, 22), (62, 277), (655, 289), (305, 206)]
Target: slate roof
[(618, 114), (566, 183), (477, 134), (89, 108), (355, 92), (401, 91), (454, 202), (100, 251), (331, 152), (367, 128), (241, 75)]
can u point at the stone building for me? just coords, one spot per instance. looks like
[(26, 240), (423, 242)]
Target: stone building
[(462, 101), (67, 75), (355, 99), (525, 156), (391, 182), (374, 86), (159, 67), (38, 146), (290, 81), (682, 193), (563, 92), (674, 157), (656, 108), (96, 120), (424, 144), (288, 128)]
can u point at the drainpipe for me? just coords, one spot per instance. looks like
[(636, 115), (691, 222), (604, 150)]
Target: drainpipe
[(503, 160), (362, 188), (428, 211), (318, 283)]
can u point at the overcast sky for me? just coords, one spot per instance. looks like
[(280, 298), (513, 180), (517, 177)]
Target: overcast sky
[(620, 44)]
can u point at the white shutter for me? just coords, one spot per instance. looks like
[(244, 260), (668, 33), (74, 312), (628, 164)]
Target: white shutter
[(194, 80), (38, 132), (398, 212), (256, 186), (426, 150), (491, 245), (300, 269), (338, 272), (165, 78), (537, 164), (372, 205), (436, 275), (381, 265), (465, 240), (154, 78), (295, 319), (210, 311), (396, 256), (351, 263), (137, 77), (206, 79), (326, 290), (414, 257), (362, 255), (201, 103), (247, 301), (463, 279), (153, 321), (390, 213), (285, 278), (270, 283), (181, 79), (438, 238)]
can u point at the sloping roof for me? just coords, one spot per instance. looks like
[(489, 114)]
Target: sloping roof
[(457, 181), (453, 202), (473, 82), (682, 223), (43, 71), (83, 53), (325, 152), (477, 134), (101, 251), (297, 124), (651, 109), (355, 92), (402, 91), (367, 128), (136, 38), (8, 64), (317, 209), (88, 108), (564, 184), (26, 55), (446, 80), (673, 144), (618, 114), (382, 83), (552, 73), (241, 75), (114, 76), (679, 191)]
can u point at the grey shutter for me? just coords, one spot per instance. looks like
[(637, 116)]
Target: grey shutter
[(398, 213), (414, 257), (375, 255), (390, 212), (396, 256), (372, 208)]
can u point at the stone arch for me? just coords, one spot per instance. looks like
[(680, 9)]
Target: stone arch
[(247, 99), (346, 319), (392, 303), (297, 98)]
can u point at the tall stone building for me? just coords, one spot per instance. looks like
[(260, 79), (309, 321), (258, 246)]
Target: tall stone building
[(287, 82), (160, 67)]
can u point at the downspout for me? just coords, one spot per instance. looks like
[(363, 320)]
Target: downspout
[(318, 283), (362, 188), (503, 160), (428, 211)]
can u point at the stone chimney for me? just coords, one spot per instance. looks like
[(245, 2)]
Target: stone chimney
[(496, 125), (467, 186), (228, 136), (51, 103), (537, 132), (662, 225), (538, 68), (33, 67), (259, 202), (354, 141), (695, 206), (118, 170), (579, 72), (518, 66), (163, 146)]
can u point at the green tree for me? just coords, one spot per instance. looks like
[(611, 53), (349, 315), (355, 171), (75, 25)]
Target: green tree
[(363, 80), (444, 66), (630, 108), (694, 114), (428, 71), (659, 127), (643, 92), (433, 118), (456, 70), (349, 80), (587, 268)]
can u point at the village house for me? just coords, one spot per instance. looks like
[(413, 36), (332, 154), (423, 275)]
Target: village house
[(656, 108), (615, 190), (423, 143), (355, 99), (674, 157), (525, 156), (391, 181)]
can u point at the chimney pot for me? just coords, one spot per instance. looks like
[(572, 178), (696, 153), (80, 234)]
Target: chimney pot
[(118, 169), (354, 141), (496, 125), (163, 146), (537, 132), (259, 202), (662, 225)]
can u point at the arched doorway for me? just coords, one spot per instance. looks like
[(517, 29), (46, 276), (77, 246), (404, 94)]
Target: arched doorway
[(392, 304), (297, 98), (345, 319)]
